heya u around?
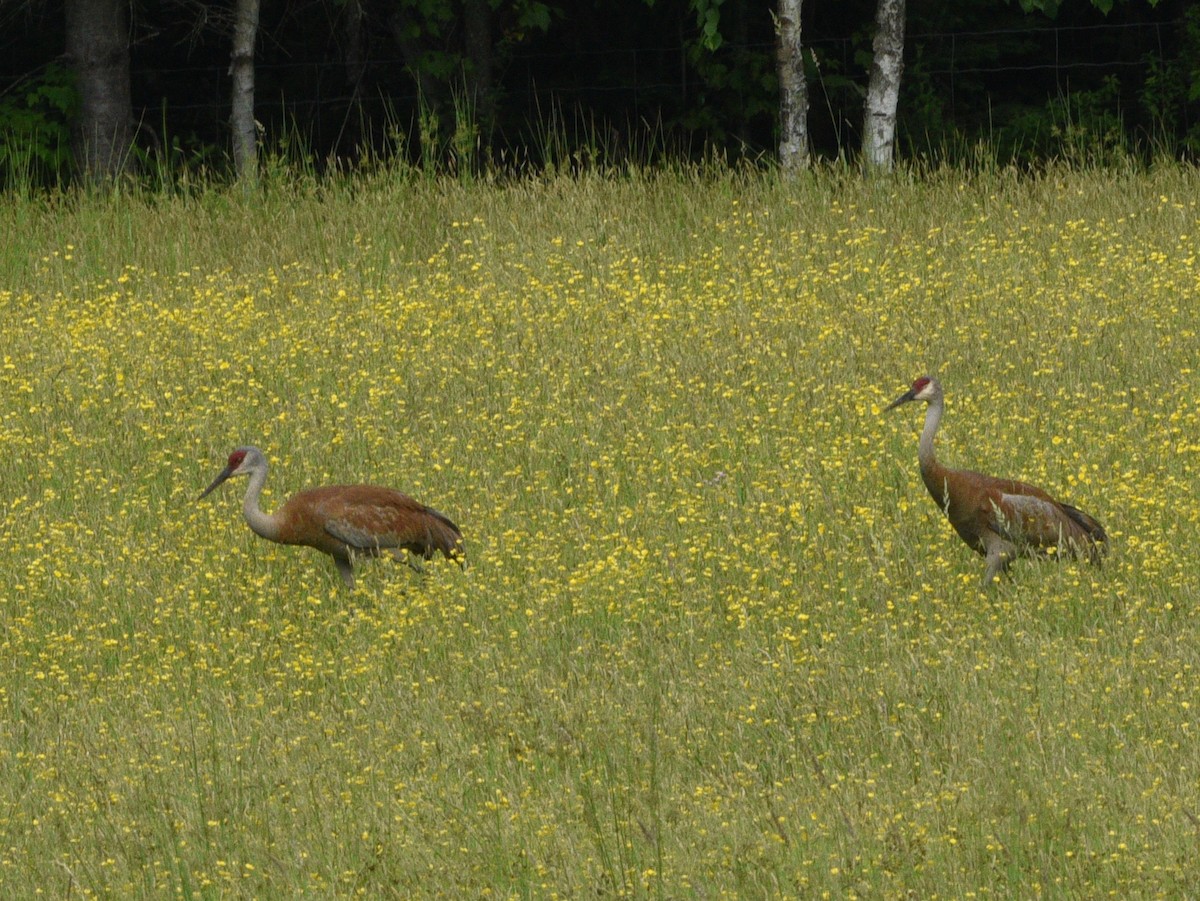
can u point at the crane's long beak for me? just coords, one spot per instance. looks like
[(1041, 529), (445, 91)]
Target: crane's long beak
[(902, 399), (224, 474)]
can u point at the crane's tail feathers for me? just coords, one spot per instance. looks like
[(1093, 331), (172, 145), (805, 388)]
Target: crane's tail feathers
[(446, 537), (1095, 542)]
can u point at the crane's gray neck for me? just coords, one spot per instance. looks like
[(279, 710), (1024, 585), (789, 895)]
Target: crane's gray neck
[(933, 418), (261, 523)]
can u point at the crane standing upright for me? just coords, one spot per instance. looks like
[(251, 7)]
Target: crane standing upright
[(1000, 519), (344, 521)]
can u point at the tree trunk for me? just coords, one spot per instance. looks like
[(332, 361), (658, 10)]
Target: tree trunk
[(354, 37), (241, 117), (433, 92), (479, 58), (98, 49), (793, 90), (883, 89), (476, 118)]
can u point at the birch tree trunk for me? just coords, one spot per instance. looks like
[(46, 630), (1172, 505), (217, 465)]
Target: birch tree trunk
[(241, 116), (98, 49), (793, 90), (883, 89)]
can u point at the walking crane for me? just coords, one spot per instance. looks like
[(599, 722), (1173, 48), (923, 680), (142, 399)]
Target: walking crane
[(1000, 519), (344, 521)]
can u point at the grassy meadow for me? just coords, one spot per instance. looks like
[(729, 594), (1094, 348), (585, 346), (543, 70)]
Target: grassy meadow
[(713, 640)]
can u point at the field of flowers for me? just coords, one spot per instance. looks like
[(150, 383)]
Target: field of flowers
[(713, 638)]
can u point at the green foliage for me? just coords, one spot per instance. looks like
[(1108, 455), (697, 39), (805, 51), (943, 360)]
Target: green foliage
[(736, 88), (721, 100), (708, 19), (35, 147), (1086, 127), (922, 116), (532, 16), (1171, 86), (1051, 7)]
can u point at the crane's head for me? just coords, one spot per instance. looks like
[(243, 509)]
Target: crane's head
[(925, 388), (242, 461)]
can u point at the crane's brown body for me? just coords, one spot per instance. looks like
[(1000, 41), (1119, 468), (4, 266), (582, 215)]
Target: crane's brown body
[(344, 521), (1000, 519), (348, 520)]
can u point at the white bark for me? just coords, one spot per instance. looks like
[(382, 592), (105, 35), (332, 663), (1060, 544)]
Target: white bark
[(241, 118), (793, 89), (883, 89)]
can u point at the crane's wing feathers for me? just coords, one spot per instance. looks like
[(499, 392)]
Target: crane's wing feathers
[(1024, 518), (371, 519), (1033, 518), (357, 537)]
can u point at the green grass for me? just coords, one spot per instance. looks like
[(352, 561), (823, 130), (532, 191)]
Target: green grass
[(713, 640)]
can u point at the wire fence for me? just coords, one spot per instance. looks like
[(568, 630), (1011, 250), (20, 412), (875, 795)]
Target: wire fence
[(1057, 51)]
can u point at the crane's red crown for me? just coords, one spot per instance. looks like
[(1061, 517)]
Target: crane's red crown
[(236, 458), (918, 386)]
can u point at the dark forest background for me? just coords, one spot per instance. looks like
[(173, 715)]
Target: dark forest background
[(341, 82)]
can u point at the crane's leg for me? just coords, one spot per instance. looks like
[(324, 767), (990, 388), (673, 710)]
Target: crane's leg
[(346, 570), (1000, 554)]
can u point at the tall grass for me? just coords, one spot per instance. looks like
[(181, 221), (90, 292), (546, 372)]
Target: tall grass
[(713, 639)]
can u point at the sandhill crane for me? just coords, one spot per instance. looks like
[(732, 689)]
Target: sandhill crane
[(999, 518), (344, 521)]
